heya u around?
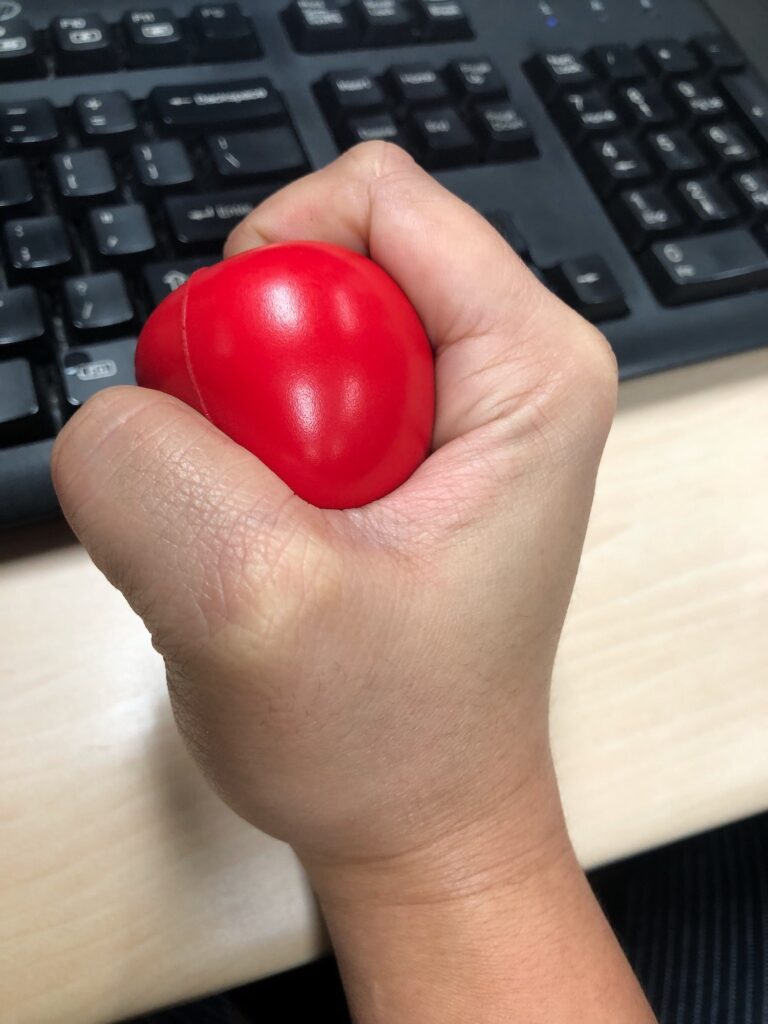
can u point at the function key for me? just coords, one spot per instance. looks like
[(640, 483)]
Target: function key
[(727, 144), (442, 139), (693, 269), (195, 110), (268, 153), (442, 20), (162, 166), (370, 127), (477, 79), (587, 113), (162, 279), (752, 191), (415, 85), (97, 304), (205, 221), (84, 175), (155, 38), (21, 319), (38, 246), (17, 193), (675, 152), (695, 98), (83, 44), (383, 22), (555, 71), (107, 118), (84, 371), (503, 132), (30, 125), (669, 57), (588, 285), (618, 63), (317, 26), (21, 418), (750, 97), (718, 52), (615, 163), (707, 202), (349, 92), (643, 215), (122, 234), (224, 33), (20, 55), (645, 105)]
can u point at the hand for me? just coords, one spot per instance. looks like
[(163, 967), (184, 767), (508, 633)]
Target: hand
[(372, 685)]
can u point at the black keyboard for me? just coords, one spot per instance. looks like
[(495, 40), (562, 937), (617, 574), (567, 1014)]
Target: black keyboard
[(621, 147)]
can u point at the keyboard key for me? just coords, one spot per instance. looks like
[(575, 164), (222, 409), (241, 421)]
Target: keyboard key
[(707, 266), (17, 193), (643, 215), (319, 25), (269, 153), (695, 98), (20, 55), (106, 118), (675, 152), (343, 93), (223, 32), (718, 53), (191, 110), (38, 246), (86, 370), (752, 191), (83, 176), (669, 57), (707, 202), (21, 319), (162, 166), (416, 85), (442, 20), (617, 63), (587, 113), (556, 71), (442, 139), (155, 38), (588, 285), (83, 44), (162, 279), (20, 414), (205, 221), (615, 163), (504, 133), (750, 97), (645, 105), (727, 144), (370, 127), (382, 22), (97, 303), (30, 125), (509, 229), (473, 80), (122, 234)]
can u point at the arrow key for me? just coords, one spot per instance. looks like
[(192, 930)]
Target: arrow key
[(588, 285)]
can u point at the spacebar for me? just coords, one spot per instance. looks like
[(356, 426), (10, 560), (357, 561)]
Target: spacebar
[(707, 266)]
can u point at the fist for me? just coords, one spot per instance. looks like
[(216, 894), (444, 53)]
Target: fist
[(309, 356)]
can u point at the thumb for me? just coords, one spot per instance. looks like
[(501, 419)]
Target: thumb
[(175, 514)]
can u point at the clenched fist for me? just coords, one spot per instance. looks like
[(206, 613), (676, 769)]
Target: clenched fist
[(372, 685)]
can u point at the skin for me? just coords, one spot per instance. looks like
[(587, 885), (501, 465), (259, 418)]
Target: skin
[(372, 686)]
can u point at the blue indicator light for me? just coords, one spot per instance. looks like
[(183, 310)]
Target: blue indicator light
[(552, 21)]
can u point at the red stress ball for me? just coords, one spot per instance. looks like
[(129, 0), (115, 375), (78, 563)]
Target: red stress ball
[(308, 355)]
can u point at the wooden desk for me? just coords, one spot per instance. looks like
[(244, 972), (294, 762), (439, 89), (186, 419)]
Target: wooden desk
[(124, 884)]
